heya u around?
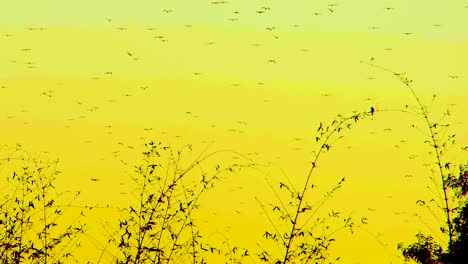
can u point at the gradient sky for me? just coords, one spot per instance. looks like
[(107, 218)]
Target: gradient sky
[(81, 80)]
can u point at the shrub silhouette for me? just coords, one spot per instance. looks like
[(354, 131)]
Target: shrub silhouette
[(453, 186), (160, 227), (30, 213), (426, 250), (300, 235)]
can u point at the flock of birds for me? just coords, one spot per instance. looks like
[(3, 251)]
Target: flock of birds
[(240, 126)]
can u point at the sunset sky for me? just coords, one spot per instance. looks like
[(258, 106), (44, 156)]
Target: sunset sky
[(89, 82)]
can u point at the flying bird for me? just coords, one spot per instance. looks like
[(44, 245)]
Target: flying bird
[(48, 94)]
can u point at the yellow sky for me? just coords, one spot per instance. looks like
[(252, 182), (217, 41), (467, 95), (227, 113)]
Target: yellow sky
[(78, 77)]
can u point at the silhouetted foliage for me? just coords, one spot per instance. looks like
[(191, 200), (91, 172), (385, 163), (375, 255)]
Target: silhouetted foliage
[(300, 234), (160, 223), (161, 227), (30, 212), (453, 186), (426, 250)]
